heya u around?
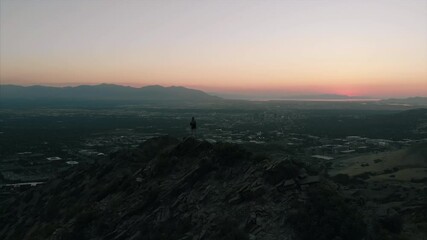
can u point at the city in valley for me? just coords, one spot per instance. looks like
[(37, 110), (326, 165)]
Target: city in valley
[(37, 144)]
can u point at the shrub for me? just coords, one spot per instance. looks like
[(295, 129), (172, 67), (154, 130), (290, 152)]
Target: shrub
[(259, 157), (364, 175), (343, 179), (377, 160)]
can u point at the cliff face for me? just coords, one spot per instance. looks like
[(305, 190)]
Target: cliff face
[(190, 189)]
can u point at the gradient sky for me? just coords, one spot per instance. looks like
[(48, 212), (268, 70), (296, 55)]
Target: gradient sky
[(364, 47)]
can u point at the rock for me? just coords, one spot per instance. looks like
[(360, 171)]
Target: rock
[(287, 185), (234, 200), (205, 193), (188, 236), (279, 170), (245, 192), (250, 192), (377, 160), (252, 225), (310, 180), (163, 215), (196, 197), (258, 191), (202, 234), (302, 173), (136, 236), (153, 146)]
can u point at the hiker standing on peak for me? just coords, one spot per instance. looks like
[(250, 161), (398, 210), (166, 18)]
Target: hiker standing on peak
[(193, 126)]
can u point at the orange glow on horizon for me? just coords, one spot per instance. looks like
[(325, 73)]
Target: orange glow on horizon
[(353, 90), (356, 48)]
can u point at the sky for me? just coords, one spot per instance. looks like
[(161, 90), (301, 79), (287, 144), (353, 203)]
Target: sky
[(357, 48)]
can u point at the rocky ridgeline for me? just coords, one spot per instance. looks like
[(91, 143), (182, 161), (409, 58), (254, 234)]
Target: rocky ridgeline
[(188, 190)]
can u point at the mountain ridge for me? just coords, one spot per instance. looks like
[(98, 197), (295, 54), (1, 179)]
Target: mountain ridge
[(180, 189), (105, 92)]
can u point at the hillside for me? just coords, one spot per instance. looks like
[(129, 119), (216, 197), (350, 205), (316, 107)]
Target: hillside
[(382, 165), (392, 184), (413, 101), (189, 189)]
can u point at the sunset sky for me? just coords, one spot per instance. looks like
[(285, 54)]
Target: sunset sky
[(361, 47)]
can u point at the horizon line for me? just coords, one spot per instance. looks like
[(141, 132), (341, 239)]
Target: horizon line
[(238, 95)]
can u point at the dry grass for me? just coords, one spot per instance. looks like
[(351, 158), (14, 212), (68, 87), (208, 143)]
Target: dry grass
[(404, 165)]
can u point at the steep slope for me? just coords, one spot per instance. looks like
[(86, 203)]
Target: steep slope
[(171, 189)]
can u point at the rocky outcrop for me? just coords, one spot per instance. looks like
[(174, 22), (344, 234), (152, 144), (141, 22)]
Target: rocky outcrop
[(165, 189)]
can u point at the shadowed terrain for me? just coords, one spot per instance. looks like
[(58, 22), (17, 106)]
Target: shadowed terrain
[(189, 189)]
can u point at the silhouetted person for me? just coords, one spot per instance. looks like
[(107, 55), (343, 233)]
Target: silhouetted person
[(193, 126)]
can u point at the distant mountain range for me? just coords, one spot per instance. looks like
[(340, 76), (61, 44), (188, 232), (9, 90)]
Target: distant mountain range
[(413, 101), (101, 92), (325, 96), (410, 101), (110, 94), (287, 96)]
